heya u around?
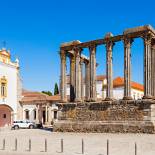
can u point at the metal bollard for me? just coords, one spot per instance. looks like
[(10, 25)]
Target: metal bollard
[(107, 147), (45, 145), (3, 148), (62, 146), (82, 146), (15, 145), (29, 145), (135, 148)]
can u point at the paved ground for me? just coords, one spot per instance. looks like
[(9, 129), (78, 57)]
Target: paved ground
[(95, 144)]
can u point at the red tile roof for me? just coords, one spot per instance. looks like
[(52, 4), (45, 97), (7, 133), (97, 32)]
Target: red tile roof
[(37, 97), (119, 82), (54, 98)]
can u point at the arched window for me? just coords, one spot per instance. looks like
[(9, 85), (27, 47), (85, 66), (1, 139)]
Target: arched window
[(27, 116)]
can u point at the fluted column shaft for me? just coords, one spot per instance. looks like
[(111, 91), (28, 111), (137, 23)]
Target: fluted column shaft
[(109, 71), (82, 83), (77, 75), (147, 67), (153, 69), (87, 81), (127, 68), (63, 76), (92, 50), (72, 78)]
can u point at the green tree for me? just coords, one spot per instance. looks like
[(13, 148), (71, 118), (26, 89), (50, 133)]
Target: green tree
[(56, 89), (47, 93)]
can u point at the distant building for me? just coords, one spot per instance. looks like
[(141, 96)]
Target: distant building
[(10, 89), (39, 107), (137, 90)]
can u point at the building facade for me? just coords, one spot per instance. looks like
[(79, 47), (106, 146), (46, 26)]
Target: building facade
[(39, 108), (10, 89)]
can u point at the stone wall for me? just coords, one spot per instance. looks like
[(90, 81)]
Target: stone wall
[(116, 116), (104, 126)]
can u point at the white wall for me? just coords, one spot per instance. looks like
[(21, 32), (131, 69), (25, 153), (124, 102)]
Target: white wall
[(99, 85), (118, 93), (136, 94), (10, 73), (31, 109)]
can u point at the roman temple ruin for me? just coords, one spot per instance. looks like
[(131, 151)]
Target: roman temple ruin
[(87, 114)]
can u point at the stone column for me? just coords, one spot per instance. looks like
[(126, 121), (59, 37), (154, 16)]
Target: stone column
[(40, 114), (87, 81), (63, 77), (109, 71), (77, 75), (72, 78), (92, 50), (49, 115), (46, 115), (147, 67), (82, 83), (37, 113), (153, 69), (127, 69)]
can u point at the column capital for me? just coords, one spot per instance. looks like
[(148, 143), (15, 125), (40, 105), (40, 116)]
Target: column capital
[(147, 37), (77, 51), (109, 45), (92, 48), (147, 41), (127, 42), (63, 54)]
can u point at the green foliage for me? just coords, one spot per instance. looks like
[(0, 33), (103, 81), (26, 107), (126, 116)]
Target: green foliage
[(47, 93), (56, 89)]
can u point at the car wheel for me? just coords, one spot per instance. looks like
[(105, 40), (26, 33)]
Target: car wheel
[(16, 127), (31, 127)]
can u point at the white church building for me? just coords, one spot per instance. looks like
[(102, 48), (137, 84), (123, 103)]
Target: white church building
[(10, 89), (19, 104)]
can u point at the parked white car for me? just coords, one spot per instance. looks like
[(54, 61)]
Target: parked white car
[(23, 124)]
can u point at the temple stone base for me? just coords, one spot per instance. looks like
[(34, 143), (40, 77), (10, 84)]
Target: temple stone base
[(108, 116), (105, 127)]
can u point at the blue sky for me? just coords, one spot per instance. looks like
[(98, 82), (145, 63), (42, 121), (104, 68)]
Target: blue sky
[(34, 30)]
